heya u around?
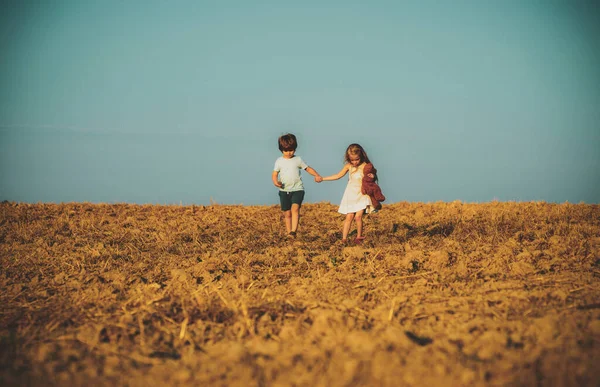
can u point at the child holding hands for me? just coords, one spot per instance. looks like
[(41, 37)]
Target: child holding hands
[(286, 177), (354, 203)]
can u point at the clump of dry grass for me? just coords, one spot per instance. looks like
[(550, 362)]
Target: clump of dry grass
[(453, 293)]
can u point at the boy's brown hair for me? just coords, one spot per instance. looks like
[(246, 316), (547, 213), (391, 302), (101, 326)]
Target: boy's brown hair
[(287, 142)]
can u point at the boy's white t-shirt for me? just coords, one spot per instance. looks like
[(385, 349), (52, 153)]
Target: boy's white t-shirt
[(289, 173)]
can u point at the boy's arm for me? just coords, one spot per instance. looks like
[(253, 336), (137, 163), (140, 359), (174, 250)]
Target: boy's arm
[(276, 182), (318, 177)]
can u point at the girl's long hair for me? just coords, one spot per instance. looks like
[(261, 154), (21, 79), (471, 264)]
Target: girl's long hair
[(356, 149)]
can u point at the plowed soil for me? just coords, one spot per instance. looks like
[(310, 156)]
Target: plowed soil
[(438, 294)]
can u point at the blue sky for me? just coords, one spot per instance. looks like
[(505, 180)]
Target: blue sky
[(183, 101)]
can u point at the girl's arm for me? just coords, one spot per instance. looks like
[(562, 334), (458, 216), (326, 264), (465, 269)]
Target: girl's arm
[(338, 175), (276, 182)]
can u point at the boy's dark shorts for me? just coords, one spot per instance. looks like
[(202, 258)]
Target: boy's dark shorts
[(288, 198)]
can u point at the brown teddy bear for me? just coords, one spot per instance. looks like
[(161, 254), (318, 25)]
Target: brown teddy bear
[(370, 186)]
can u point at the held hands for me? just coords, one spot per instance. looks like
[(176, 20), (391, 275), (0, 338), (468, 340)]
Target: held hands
[(318, 179)]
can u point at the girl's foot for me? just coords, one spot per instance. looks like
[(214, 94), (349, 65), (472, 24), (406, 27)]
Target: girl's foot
[(359, 240), (292, 234)]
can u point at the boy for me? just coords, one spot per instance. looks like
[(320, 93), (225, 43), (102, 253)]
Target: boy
[(286, 177)]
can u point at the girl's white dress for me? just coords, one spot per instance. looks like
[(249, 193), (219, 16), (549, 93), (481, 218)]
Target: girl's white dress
[(353, 199)]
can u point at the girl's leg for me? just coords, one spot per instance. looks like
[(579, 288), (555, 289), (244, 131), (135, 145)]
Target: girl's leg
[(287, 219), (347, 224), (295, 217), (359, 224)]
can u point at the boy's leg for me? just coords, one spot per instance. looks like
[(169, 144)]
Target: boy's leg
[(287, 219), (295, 216), (297, 198), (347, 224), (286, 204)]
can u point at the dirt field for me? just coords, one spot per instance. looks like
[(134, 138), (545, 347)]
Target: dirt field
[(438, 294)]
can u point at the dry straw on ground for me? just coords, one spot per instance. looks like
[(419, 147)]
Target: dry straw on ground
[(439, 294)]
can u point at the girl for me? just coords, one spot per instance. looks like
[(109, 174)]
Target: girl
[(354, 203)]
